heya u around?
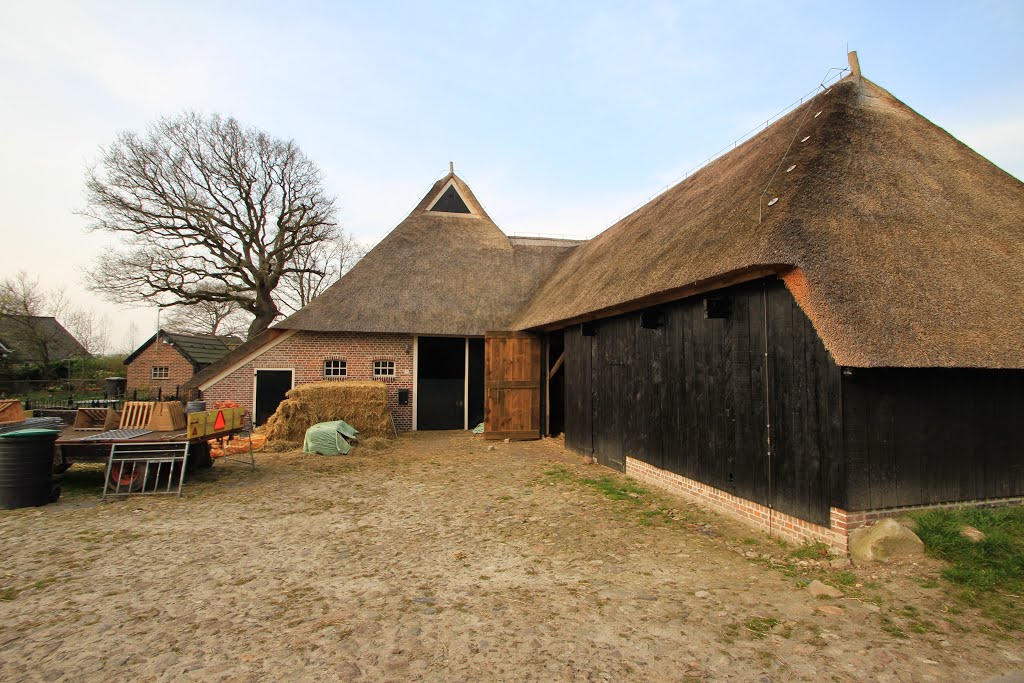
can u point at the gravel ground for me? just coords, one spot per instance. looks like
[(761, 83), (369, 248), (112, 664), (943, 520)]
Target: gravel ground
[(444, 558)]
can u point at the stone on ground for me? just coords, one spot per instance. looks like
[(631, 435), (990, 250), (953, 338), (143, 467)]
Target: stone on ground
[(885, 541), (823, 590)]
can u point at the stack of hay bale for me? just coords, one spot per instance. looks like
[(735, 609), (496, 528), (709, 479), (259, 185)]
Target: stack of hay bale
[(364, 405)]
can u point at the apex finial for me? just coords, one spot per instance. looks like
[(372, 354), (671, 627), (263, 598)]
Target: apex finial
[(451, 167), (854, 63)]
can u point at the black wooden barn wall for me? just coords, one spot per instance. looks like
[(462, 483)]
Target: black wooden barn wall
[(693, 397), (924, 436)]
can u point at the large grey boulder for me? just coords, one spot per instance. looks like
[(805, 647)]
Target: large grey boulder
[(887, 540)]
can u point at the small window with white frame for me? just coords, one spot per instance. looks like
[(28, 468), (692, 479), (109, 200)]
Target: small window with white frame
[(335, 368), (383, 368), (160, 372)]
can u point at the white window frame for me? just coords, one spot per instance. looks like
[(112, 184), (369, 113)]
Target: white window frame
[(383, 368), (165, 372), (335, 374)]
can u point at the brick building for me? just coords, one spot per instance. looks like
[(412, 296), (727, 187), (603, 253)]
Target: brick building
[(412, 314), (167, 360), (820, 328)]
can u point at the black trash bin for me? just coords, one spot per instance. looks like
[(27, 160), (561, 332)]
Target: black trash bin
[(26, 468)]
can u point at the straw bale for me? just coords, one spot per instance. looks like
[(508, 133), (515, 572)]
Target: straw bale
[(364, 405)]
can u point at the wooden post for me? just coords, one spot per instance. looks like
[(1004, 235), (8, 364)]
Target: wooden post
[(547, 385)]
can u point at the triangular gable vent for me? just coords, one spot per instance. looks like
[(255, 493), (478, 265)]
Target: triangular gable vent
[(449, 201)]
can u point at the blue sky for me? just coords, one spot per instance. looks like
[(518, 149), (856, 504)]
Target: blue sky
[(562, 116)]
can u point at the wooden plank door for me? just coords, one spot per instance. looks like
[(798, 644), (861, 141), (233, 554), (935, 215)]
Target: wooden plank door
[(512, 373)]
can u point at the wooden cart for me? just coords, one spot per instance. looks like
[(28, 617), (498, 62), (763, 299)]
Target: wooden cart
[(89, 445)]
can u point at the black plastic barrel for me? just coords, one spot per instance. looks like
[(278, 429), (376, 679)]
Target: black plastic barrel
[(26, 468)]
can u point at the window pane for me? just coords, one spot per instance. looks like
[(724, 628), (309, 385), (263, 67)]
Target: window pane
[(334, 367)]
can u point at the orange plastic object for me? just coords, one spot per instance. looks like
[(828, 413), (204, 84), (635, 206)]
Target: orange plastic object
[(237, 445)]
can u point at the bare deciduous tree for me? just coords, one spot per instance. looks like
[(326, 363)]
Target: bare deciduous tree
[(208, 317), (91, 330), (207, 211), (130, 341)]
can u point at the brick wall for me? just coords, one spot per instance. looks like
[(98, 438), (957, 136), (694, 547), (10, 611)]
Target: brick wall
[(853, 520), (305, 353), (772, 522), (780, 525), (140, 370)]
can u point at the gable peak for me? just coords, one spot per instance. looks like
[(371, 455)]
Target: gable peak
[(450, 199)]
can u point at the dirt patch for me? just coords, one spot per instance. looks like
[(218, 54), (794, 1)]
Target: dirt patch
[(436, 558)]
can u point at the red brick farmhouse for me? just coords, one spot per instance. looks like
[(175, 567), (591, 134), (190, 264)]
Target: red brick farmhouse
[(167, 360), (822, 327)]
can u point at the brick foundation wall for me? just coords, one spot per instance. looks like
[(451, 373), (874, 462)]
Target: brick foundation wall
[(139, 371), (305, 353), (855, 520), (781, 525), (772, 522)]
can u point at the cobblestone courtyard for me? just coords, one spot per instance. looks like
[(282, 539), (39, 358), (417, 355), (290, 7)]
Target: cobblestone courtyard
[(441, 558)]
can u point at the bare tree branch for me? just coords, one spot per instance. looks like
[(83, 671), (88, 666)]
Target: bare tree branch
[(319, 267), (208, 317), (208, 211)]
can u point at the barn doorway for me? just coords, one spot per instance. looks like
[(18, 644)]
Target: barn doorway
[(556, 384), (270, 388), (441, 383), (475, 386)]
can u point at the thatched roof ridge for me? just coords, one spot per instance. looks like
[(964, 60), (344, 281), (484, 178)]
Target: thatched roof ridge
[(904, 246), (436, 273)]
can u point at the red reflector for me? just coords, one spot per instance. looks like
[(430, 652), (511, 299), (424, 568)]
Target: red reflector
[(219, 423)]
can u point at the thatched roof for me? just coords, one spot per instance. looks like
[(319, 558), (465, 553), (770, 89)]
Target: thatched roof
[(25, 336), (437, 273), (198, 349), (902, 245)]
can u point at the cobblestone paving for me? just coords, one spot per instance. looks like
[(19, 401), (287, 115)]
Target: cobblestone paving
[(444, 558)]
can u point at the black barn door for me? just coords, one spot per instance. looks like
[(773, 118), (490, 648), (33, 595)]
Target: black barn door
[(271, 386), (441, 383)]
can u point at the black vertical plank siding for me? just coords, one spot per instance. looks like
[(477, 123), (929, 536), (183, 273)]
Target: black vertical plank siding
[(578, 392), (673, 439), (855, 417), (936, 435), (805, 442), (756, 442), (693, 397)]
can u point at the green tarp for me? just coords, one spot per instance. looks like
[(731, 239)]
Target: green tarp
[(329, 438)]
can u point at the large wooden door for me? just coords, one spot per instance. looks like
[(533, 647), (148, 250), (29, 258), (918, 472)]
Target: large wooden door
[(512, 372)]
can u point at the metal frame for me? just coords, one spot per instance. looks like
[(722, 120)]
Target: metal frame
[(247, 430), (155, 455)]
